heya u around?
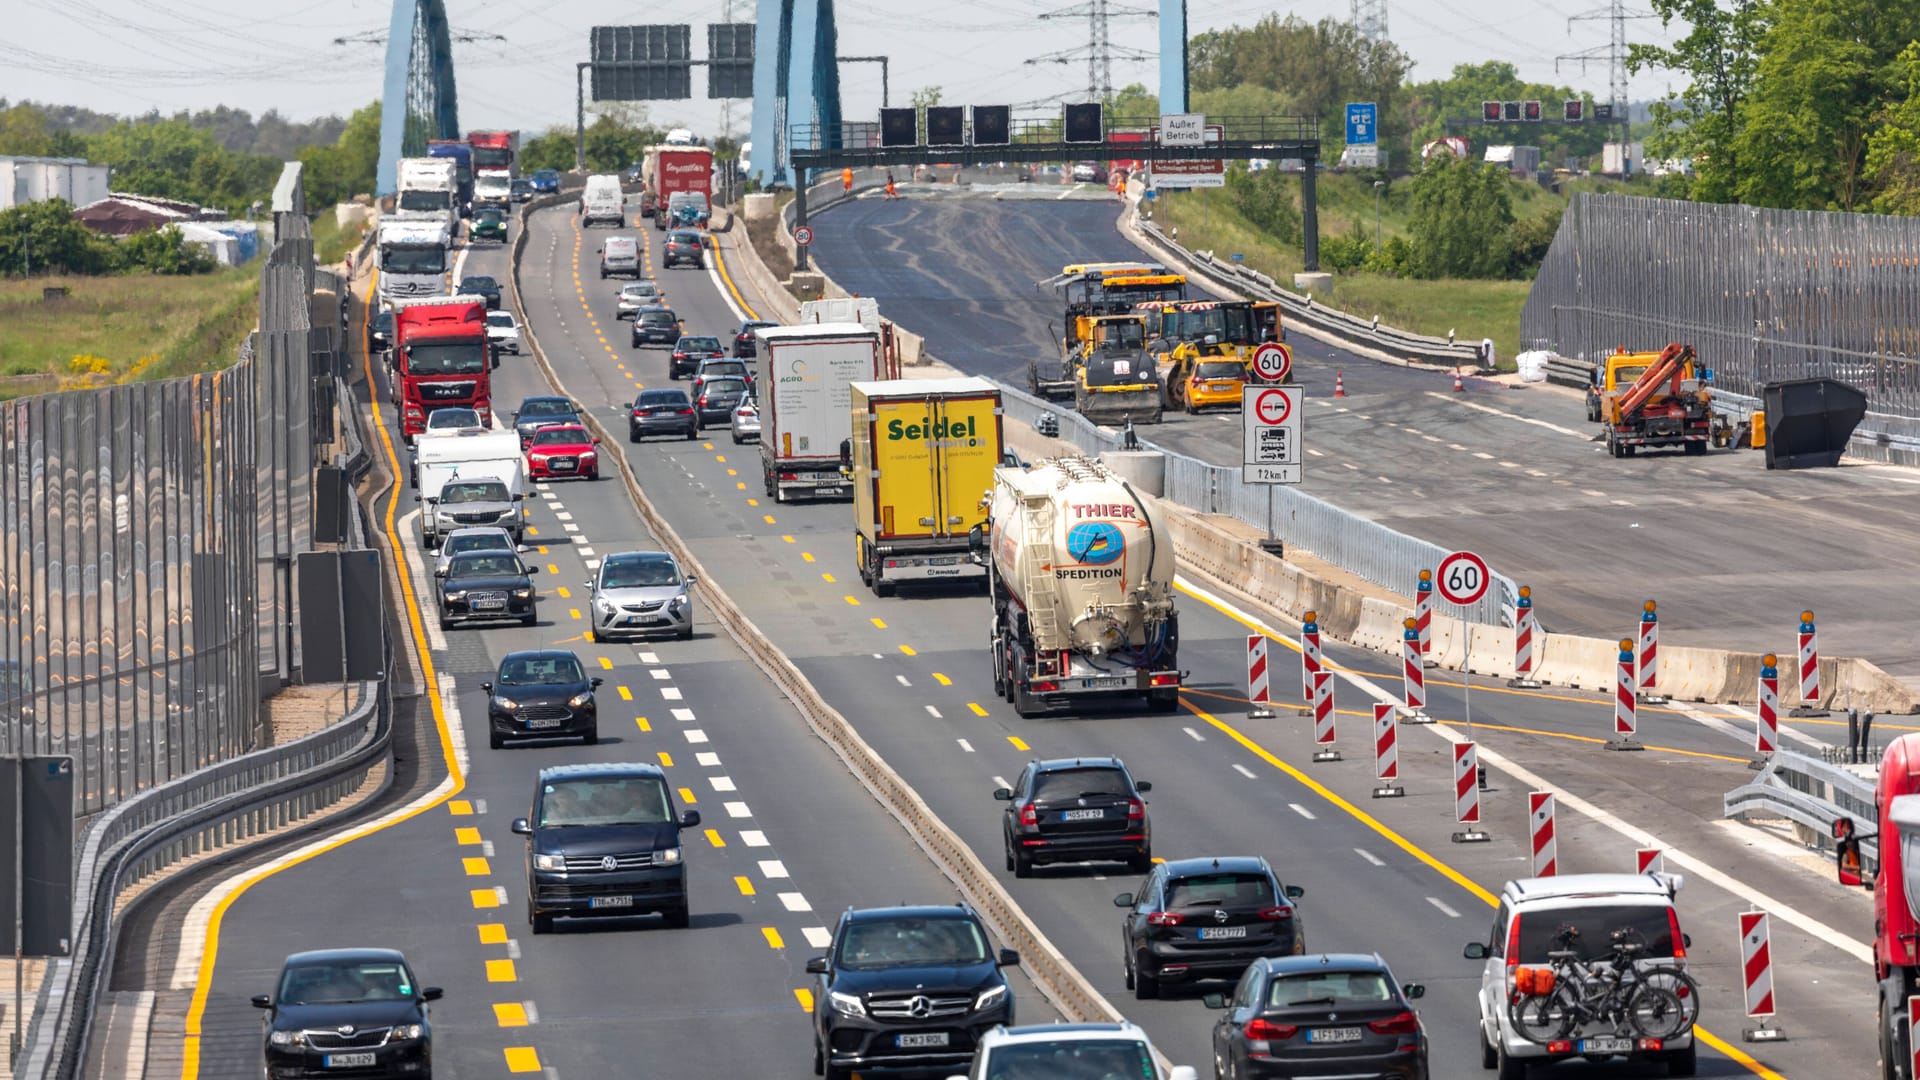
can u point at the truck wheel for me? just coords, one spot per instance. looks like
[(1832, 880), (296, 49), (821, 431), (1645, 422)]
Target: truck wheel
[(1894, 1047), (860, 560)]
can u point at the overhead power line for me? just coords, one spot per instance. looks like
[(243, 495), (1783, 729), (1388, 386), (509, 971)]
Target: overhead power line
[(1099, 51)]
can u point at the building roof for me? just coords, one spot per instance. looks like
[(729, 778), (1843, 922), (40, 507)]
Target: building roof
[(29, 159), (121, 214)]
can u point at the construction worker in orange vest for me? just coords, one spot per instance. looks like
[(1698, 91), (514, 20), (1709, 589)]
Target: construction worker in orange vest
[(846, 180), (891, 193)]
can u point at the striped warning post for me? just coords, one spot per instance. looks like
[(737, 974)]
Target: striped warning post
[(1766, 729), (1649, 860), (1466, 783), (1423, 614), (1525, 633), (1810, 703), (1413, 672), (1386, 743), (1626, 719), (1546, 845), (1310, 660), (1324, 732), (1756, 963), (1257, 692), (1649, 655)]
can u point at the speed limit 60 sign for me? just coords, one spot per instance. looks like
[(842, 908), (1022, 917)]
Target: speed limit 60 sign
[(1272, 361), (1272, 416), (1462, 578)]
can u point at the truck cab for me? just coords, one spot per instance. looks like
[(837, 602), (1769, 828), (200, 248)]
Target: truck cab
[(441, 358), (412, 258), (1895, 882)]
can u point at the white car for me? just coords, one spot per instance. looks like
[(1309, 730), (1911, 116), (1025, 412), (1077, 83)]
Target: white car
[(503, 331), (1069, 1050), (474, 538)]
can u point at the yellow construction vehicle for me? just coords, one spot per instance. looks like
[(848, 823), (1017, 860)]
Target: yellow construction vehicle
[(1114, 377), (1090, 290), (1651, 399), (1207, 348)]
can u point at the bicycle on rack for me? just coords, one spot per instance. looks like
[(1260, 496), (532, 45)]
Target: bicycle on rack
[(1653, 1002)]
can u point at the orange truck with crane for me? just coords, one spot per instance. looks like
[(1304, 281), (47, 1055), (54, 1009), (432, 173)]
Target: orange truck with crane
[(1651, 399), (1896, 889)]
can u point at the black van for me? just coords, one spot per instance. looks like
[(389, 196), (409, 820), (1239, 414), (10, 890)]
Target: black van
[(603, 841)]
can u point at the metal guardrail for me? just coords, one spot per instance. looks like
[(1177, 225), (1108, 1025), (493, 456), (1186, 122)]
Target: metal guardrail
[(1812, 794)]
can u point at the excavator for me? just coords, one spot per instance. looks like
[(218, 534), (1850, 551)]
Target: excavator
[(1651, 399)]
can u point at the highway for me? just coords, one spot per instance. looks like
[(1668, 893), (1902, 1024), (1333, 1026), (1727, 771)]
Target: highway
[(1731, 551), (911, 674)]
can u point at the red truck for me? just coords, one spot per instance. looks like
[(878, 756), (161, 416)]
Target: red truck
[(667, 170), (441, 358), (1896, 887), (494, 151)]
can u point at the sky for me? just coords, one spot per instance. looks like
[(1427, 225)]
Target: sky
[(131, 56)]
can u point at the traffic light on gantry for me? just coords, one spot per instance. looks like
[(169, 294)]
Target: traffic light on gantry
[(1489, 112), (1576, 110), (1530, 110)]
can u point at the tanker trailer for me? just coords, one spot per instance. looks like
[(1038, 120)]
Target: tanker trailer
[(1081, 576)]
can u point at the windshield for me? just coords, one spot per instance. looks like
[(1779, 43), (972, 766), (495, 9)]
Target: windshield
[(714, 388), (478, 284), (1325, 987), (639, 572), (1070, 783), (700, 344), (424, 259), (546, 174), (1646, 924), (452, 358), (645, 288), (545, 408), (423, 200), (491, 540), (559, 436), (1220, 369), (713, 368), (489, 217), (1220, 890), (1073, 1059), (913, 942), (542, 669), (500, 318), (662, 397), (657, 318), (687, 238), (339, 982), (474, 491), (1231, 325), (1128, 335), (635, 800), (452, 418)]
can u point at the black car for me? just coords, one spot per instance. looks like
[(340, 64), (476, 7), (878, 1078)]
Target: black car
[(689, 350), (685, 246), (481, 285), (520, 190), (1076, 810), (722, 369), (744, 343), (661, 412), (1337, 1014), (348, 1012), (715, 401), (655, 326), (1206, 919), (380, 332), (486, 585), (540, 694), (603, 840), (535, 413), (907, 989)]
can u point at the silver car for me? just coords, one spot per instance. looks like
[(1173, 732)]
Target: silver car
[(746, 420), (637, 295), (640, 592), (475, 538)]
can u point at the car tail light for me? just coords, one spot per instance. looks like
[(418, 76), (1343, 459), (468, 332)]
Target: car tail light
[(688, 411), (1277, 913), (703, 399), (1136, 809), (1513, 948), (1166, 679), (1047, 687), (1029, 815), (1560, 1046), (1404, 1024), (1679, 940), (1652, 1044), (789, 476), (1261, 1028), (1165, 918)]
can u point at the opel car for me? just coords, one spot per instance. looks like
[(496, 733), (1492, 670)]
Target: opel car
[(1338, 1014), (746, 421), (540, 694), (640, 592), (1206, 918), (347, 1012), (635, 295), (563, 452), (661, 412), (603, 841)]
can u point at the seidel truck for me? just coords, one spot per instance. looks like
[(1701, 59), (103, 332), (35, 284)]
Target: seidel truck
[(805, 377), (921, 460), (1896, 891), (1080, 571), (441, 358), (669, 169)]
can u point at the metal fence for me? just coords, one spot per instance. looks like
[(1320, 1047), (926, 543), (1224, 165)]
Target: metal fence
[(1763, 295), (146, 540)]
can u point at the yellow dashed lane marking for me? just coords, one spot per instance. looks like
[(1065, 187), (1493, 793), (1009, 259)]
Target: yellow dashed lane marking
[(714, 838), (828, 578), (532, 531), (476, 866), (804, 996), (978, 711), (854, 600), (773, 937), (606, 663), (501, 970), (686, 795), (466, 836), (942, 679), (552, 568), (879, 622), (908, 649), (522, 1059), (542, 549), (769, 518), (642, 721), (486, 898), (666, 760), (625, 694), (1018, 742), (510, 1014), (745, 886), (460, 808), (788, 539), (564, 594), (575, 612), (807, 555), (742, 485), (493, 933)]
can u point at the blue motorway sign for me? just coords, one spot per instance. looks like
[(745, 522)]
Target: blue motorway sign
[(1362, 123)]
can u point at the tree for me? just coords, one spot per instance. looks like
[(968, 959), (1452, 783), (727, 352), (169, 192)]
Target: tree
[(1431, 104), (1265, 199), (1893, 150), (1321, 66), (164, 251), (1461, 216), (1719, 56), (923, 97), (42, 237), (551, 150)]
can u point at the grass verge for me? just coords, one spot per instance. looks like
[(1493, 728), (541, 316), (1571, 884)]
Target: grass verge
[(115, 329), (331, 243)]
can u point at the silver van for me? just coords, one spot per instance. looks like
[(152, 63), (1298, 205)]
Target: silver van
[(620, 255)]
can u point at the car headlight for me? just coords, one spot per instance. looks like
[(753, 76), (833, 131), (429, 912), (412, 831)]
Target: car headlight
[(846, 1004), (409, 1031), (588, 455), (523, 594), (288, 1038), (506, 703), (581, 701), (455, 594), (991, 996), (549, 862), (667, 856), (677, 602)]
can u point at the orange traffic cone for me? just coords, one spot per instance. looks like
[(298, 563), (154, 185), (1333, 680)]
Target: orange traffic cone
[(1457, 388), (1339, 385)]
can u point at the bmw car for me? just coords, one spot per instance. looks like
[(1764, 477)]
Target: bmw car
[(641, 592)]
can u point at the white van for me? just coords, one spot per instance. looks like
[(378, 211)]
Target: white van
[(603, 201), (620, 255)]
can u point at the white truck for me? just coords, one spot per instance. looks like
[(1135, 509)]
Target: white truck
[(470, 477), (428, 189), (805, 377), (1080, 571), (412, 257), (602, 200)]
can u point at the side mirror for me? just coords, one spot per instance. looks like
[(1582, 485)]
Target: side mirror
[(1123, 900), (1686, 940), (439, 572), (817, 965), (431, 993), (1295, 892), (1414, 991), (531, 570), (416, 498), (521, 827), (1003, 794), (1143, 786), (262, 1001), (487, 686), (1215, 1000), (1475, 950), (1009, 958), (596, 442), (522, 496), (976, 540), (596, 681), (692, 580), (690, 819)]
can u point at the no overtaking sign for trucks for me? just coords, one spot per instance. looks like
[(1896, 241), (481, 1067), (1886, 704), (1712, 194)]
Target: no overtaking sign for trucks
[(1271, 435)]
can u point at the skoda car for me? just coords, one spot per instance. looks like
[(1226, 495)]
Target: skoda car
[(348, 1012), (562, 452), (641, 592), (1073, 810), (603, 841), (541, 694)]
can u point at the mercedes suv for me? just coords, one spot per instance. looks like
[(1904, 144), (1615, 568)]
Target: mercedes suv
[(907, 990)]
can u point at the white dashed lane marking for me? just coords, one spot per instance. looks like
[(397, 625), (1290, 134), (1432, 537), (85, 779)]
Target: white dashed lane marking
[(752, 837)]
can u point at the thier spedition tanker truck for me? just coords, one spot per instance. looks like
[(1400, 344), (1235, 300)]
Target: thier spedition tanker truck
[(1081, 576), (1896, 889)]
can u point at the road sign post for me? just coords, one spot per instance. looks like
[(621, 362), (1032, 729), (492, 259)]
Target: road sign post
[(803, 235), (1271, 423), (1461, 579)]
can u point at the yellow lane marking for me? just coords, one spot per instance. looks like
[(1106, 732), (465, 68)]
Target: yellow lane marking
[(788, 539), (542, 549), (828, 578), (807, 555), (564, 594), (742, 485), (773, 937), (642, 721), (460, 808), (714, 838), (733, 472), (606, 663), (666, 760), (804, 996), (501, 970), (720, 263), (978, 711), (485, 898), (553, 568), (942, 679), (752, 501), (686, 795), (1018, 742), (533, 531), (476, 866), (510, 1014), (574, 611), (879, 622), (522, 1059), (493, 933), (466, 836), (769, 518), (908, 649), (745, 886), (625, 694), (854, 600)]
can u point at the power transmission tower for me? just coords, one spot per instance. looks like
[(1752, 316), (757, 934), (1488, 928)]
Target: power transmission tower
[(1100, 52), (1370, 19), (1614, 52)]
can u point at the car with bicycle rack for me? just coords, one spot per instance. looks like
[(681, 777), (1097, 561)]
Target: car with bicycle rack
[(1586, 966)]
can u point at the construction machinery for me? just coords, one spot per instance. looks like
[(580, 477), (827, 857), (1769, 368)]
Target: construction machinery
[(1088, 291), (1651, 399), (1115, 379), (1196, 340)]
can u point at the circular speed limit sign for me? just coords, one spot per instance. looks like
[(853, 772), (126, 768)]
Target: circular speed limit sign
[(1462, 578), (1272, 361), (803, 236)]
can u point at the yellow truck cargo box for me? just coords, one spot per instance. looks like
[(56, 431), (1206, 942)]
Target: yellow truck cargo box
[(922, 457)]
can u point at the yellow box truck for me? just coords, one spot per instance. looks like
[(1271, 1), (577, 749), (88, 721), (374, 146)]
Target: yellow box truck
[(921, 460)]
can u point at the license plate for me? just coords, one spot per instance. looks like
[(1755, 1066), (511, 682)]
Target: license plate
[(609, 901), (489, 605), (944, 560), (1082, 815), (1333, 1035), (1220, 388), (1109, 683), (551, 722), (638, 620), (563, 466), (1605, 1046), (349, 1061), (921, 1039), (1215, 933)]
